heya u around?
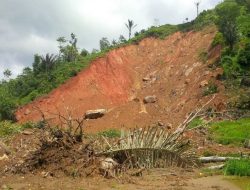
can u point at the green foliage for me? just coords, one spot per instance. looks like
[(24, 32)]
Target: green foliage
[(230, 66), (210, 89), (238, 167), (7, 73), (218, 39), (111, 133), (227, 14), (104, 44), (243, 56), (130, 26), (8, 128), (231, 132), (195, 123)]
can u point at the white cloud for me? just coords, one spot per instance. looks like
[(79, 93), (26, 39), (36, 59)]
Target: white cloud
[(32, 26)]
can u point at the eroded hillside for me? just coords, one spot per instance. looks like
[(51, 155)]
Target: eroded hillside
[(170, 69)]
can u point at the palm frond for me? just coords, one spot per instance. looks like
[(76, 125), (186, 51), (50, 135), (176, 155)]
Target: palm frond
[(150, 147)]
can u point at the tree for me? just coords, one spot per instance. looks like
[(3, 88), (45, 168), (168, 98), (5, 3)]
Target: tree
[(122, 39), (68, 52), (227, 13), (130, 26), (73, 40), (84, 52), (48, 62), (104, 44), (197, 4), (94, 51), (7, 73)]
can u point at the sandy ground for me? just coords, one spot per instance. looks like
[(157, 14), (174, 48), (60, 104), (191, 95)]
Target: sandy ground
[(160, 179)]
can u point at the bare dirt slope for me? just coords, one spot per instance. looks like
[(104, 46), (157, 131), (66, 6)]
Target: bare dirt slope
[(170, 69)]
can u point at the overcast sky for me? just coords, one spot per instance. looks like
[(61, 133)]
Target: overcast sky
[(32, 26)]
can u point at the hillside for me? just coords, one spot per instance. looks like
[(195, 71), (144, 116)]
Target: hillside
[(171, 69)]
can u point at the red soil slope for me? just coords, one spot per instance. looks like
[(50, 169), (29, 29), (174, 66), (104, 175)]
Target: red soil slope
[(115, 82)]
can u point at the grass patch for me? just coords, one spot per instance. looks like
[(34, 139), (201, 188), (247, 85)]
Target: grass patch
[(231, 132), (111, 133), (8, 128), (238, 167), (195, 123)]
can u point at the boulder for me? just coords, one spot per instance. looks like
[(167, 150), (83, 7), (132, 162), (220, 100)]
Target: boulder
[(149, 99), (95, 114)]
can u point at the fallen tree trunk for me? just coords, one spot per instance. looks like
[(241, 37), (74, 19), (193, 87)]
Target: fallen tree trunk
[(216, 159), (217, 167)]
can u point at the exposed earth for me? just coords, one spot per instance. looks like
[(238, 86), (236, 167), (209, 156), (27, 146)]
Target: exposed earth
[(175, 70)]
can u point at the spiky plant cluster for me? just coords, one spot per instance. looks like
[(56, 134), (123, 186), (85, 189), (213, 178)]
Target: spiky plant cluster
[(151, 147)]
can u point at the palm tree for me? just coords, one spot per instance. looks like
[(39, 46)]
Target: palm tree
[(130, 25), (48, 62)]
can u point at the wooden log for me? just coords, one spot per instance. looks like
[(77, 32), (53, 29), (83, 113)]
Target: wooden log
[(216, 159), (217, 167)]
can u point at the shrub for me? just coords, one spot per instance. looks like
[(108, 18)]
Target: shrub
[(218, 39), (238, 167), (230, 66), (243, 56), (210, 89)]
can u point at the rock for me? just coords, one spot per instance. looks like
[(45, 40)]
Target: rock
[(247, 144), (4, 157), (204, 83), (187, 81), (149, 99), (169, 126), (146, 79), (27, 132), (245, 82), (107, 166), (95, 114), (160, 123), (46, 174), (27, 112)]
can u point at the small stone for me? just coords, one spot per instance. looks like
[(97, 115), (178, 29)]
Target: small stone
[(160, 123), (149, 99), (204, 83), (4, 157), (169, 126), (146, 79), (27, 132), (95, 114), (27, 112), (187, 81)]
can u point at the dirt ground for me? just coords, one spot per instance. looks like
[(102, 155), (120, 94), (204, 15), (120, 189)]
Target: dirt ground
[(169, 178), (160, 179)]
